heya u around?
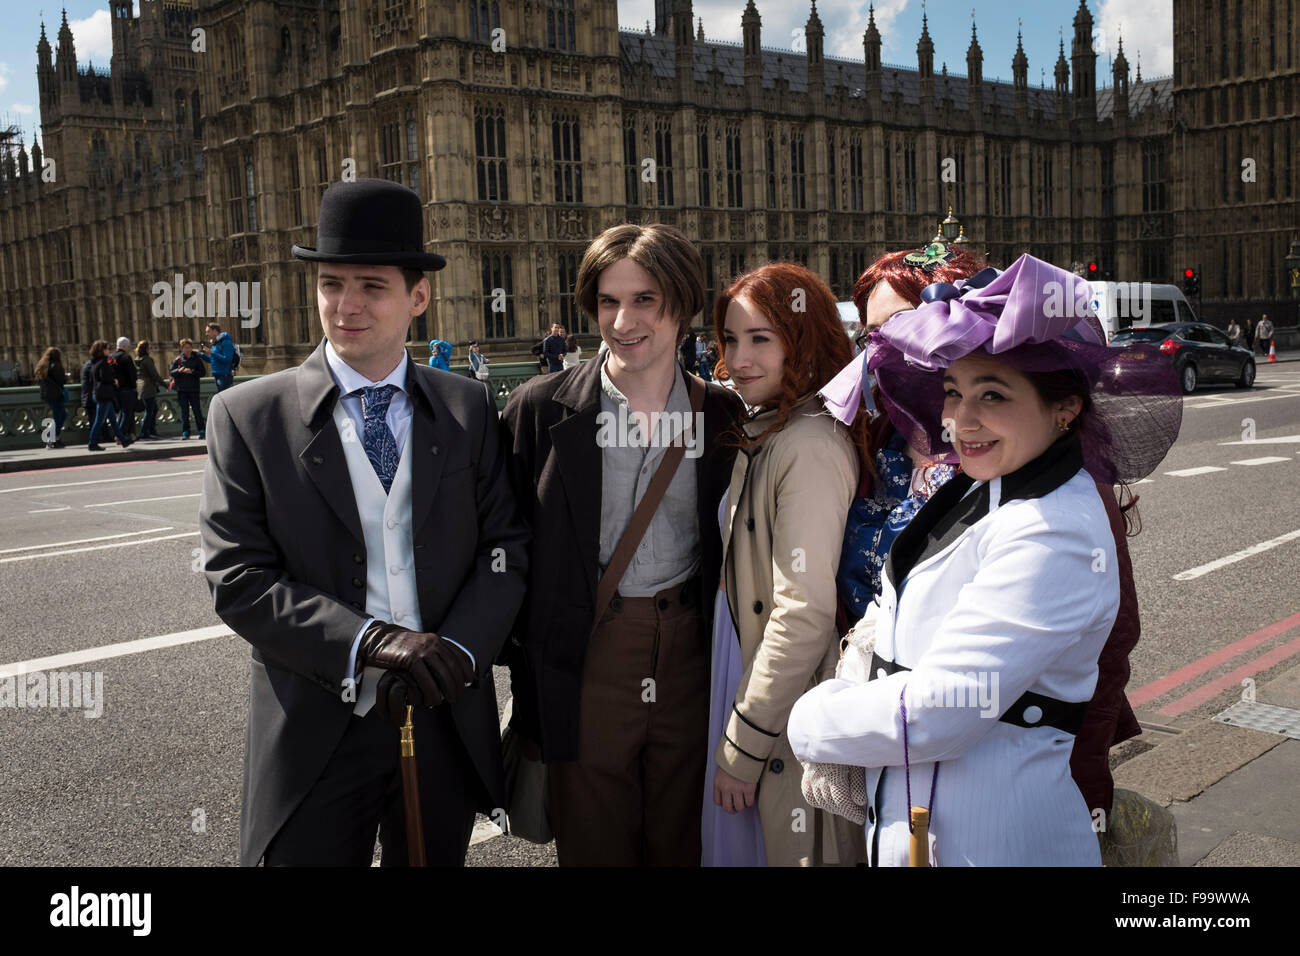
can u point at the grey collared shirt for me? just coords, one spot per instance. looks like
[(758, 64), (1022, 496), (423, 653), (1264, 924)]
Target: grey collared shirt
[(670, 551)]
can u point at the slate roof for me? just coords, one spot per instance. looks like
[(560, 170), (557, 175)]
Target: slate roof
[(729, 60)]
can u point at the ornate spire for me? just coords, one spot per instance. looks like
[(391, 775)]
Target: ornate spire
[(700, 34)]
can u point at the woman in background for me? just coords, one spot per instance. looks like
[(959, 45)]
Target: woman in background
[(52, 378), (572, 351), (151, 382)]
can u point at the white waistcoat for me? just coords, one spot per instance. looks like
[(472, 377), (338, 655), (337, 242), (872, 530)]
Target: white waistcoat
[(391, 593)]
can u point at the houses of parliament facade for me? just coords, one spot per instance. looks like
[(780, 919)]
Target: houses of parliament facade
[(529, 126)]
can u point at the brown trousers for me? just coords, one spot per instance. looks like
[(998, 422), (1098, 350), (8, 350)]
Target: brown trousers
[(634, 795)]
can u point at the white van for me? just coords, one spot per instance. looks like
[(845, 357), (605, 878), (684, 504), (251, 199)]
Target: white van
[(1123, 305)]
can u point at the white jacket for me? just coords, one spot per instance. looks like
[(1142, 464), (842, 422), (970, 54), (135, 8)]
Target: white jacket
[(1020, 596)]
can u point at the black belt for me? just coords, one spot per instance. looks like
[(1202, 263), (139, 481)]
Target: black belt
[(1064, 715)]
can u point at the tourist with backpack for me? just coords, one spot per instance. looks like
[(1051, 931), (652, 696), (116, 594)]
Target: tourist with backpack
[(223, 354), (103, 385)]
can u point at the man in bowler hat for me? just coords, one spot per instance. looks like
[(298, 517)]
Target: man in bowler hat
[(360, 533)]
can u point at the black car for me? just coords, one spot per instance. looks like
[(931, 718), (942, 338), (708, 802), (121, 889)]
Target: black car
[(1200, 353)]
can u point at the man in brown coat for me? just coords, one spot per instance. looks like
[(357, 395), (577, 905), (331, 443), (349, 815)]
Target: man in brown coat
[(622, 718)]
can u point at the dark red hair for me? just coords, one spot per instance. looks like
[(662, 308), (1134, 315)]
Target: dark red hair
[(909, 280), (816, 345)]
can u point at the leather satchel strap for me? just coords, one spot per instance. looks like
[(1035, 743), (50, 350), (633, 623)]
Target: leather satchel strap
[(644, 513)]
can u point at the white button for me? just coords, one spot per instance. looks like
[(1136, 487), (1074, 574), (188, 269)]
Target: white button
[(394, 569), (880, 673), (1033, 714), (392, 523)]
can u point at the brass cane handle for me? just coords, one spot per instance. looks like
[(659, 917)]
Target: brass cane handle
[(408, 741)]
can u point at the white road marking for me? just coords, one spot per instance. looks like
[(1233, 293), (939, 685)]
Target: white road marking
[(107, 651), (1259, 461), (133, 501), (1236, 401), (102, 537), (1143, 481), (41, 511), (101, 481), (98, 547), (485, 830), (1282, 440), (1236, 556), (1189, 472)]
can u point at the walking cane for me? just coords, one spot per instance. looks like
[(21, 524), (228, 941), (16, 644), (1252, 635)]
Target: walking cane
[(411, 791), (920, 847)]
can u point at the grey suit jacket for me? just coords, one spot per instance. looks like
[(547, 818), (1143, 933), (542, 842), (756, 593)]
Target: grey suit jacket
[(284, 557)]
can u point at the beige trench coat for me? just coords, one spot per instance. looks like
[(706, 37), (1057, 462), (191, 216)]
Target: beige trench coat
[(784, 526)]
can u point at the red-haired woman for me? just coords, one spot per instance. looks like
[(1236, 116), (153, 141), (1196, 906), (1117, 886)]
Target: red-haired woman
[(782, 522)]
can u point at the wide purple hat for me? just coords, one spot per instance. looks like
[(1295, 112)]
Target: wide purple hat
[(1034, 317)]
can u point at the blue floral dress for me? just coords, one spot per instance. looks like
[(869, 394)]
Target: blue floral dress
[(873, 523)]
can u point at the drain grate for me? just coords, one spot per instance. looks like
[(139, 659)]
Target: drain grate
[(1266, 717)]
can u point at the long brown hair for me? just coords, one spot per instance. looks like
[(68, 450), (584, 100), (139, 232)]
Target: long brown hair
[(97, 349), (52, 356), (816, 346)]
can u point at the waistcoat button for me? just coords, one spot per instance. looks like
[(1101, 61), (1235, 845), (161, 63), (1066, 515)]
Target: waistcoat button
[(358, 583), (358, 559)]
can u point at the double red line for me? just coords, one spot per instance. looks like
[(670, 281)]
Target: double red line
[(1166, 684)]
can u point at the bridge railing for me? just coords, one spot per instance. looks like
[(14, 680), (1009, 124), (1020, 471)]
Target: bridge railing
[(22, 413)]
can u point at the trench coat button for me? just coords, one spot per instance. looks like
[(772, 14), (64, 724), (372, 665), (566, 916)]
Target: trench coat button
[(871, 814), (749, 524), (1033, 714), (663, 604), (758, 607), (777, 765), (358, 559), (616, 603), (358, 583)]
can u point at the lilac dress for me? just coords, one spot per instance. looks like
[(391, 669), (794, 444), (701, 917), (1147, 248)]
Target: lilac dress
[(727, 839)]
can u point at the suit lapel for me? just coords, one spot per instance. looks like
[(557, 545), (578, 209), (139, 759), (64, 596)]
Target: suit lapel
[(427, 442), (324, 463)]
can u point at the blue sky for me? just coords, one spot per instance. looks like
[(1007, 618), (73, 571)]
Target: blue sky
[(1147, 27)]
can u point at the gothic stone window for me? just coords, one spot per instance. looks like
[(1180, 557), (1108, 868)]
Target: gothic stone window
[(830, 172), (664, 160), (490, 149), (1153, 176), (798, 194), (735, 195), (771, 169), (909, 177), (235, 196), (631, 163), (498, 296), (855, 172), (572, 317), (399, 150), (484, 17), (566, 154), (702, 161), (559, 25)]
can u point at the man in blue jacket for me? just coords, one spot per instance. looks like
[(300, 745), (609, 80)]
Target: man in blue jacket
[(221, 355)]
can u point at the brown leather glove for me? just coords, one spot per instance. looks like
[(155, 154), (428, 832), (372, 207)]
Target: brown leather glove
[(433, 670)]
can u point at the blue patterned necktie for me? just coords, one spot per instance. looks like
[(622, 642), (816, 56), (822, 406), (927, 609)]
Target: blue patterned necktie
[(378, 441)]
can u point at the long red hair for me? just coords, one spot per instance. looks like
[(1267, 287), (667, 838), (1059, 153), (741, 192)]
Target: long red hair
[(816, 345)]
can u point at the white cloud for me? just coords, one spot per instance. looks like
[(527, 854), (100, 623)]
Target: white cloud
[(1147, 28), (93, 37), (4, 76), (22, 108)]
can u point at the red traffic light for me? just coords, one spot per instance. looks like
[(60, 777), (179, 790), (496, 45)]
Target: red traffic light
[(1189, 273), (1092, 267)]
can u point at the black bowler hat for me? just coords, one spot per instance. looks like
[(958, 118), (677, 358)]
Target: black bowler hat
[(371, 222)]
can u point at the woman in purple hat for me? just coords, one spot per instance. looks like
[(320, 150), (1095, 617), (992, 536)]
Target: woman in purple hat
[(999, 595)]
